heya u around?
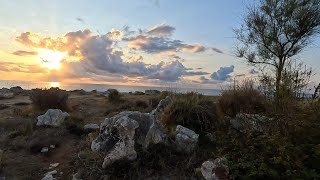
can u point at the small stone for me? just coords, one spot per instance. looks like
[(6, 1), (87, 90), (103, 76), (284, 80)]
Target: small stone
[(91, 127), (215, 170), (44, 150), (51, 172), (48, 177), (54, 165), (52, 146)]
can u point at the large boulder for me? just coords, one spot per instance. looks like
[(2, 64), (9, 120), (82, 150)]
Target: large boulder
[(6, 93), (215, 170), (250, 122), (147, 132), (119, 134), (53, 117), (186, 139)]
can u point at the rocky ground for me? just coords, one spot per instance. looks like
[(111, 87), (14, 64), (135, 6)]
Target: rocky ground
[(19, 159), (52, 144), (155, 136)]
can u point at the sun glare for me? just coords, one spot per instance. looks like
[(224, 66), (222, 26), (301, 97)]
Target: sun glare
[(50, 59), (54, 84)]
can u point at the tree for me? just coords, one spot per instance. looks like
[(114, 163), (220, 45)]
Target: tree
[(274, 31)]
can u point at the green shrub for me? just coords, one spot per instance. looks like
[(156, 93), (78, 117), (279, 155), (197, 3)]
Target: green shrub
[(193, 111), (52, 98), (242, 99), (114, 95)]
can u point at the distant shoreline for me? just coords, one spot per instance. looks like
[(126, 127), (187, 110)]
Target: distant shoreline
[(27, 85)]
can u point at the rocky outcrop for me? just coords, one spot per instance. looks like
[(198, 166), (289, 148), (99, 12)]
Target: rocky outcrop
[(152, 92), (250, 122), (16, 90), (215, 170), (53, 117), (186, 139), (6, 93), (119, 134), (162, 104)]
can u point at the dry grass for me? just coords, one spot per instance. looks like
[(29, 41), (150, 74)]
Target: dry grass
[(244, 98), (193, 111)]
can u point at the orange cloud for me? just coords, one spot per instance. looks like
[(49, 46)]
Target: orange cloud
[(21, 67), (25, 53), (70, 43)]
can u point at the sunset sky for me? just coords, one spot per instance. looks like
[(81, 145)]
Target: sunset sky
[(141, 42)]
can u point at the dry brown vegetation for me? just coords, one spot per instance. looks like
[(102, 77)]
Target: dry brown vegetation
[(53, 98), (243, 98)]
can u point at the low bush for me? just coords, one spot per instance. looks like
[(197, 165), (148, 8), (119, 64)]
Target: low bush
[(193, 111), (114, 95), (53, 98), (244, 98)]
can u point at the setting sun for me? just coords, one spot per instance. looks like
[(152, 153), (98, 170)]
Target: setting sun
[(54, 84), (50, 59)]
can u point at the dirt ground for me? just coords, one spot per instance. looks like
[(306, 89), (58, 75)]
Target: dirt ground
[(21, 140)]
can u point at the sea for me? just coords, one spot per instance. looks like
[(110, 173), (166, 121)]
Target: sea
[(103, 87)]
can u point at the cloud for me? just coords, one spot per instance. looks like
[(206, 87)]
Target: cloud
[(115, 34), (223, 74), (25, 53), (21, 67), (217, 50), (158, 39), (193, 48), (172, 71), (80, 20), (153, 44), (161, 30), (99, 58), (70, 42)]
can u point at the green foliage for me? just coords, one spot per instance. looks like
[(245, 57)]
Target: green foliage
[(291, 150), (274, 31), (193, 111), (114, 95), (53, 98)]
